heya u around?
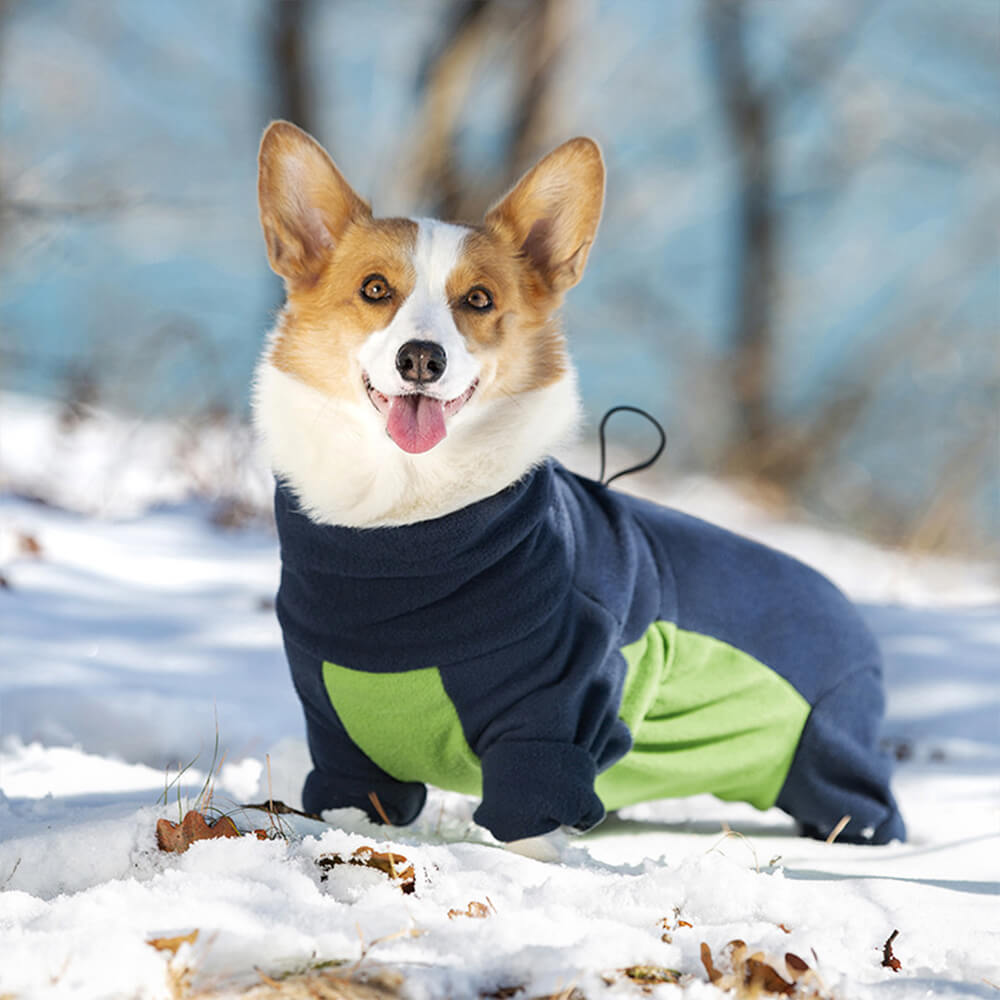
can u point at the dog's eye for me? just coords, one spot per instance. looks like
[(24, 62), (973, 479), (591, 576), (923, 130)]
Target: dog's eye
[(375, 288), (479, 299)]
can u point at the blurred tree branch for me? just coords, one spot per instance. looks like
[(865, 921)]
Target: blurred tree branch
[(750, 110), (445, 80), (545, 29), (470, 35), (288, 25)]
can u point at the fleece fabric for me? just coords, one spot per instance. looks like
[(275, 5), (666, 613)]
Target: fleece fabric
[(562, 648)]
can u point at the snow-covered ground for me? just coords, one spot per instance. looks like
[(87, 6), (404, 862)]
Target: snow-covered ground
[(134, 641)]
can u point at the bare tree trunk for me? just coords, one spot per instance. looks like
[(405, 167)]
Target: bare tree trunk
[(445, 81), (288, 27), (748, 116), (545, 28)]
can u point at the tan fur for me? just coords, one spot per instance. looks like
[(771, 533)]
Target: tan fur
[(519, 334), (326, 322), (552, 212), (305, 203)]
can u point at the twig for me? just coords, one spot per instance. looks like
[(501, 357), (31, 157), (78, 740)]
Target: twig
[(13, 872), (889, 961)]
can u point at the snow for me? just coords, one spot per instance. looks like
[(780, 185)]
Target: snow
[(137, 641)]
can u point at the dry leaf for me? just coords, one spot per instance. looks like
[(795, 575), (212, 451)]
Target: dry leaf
[(177, 838), (171, 944), (764, 976), (648, 974), (755, 975), (796, 964), (394, 865), (28, 545), (889, 961), (475, 909), (668, 928), (706, 959)]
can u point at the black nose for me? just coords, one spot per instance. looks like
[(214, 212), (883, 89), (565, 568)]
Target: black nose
[(421, 361)]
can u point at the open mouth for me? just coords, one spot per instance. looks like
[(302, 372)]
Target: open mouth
[(416, 421)]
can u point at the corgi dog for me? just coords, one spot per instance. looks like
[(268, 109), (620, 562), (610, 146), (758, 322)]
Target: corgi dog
[(420, 360), (457, 608)]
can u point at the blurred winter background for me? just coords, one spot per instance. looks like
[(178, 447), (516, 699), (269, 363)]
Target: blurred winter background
[(797, 270)]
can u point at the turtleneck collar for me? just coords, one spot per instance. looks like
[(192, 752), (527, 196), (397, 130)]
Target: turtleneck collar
[(465, 540)]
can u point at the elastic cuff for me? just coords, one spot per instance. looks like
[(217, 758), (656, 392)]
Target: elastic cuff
[(401, 801), (533, 786)]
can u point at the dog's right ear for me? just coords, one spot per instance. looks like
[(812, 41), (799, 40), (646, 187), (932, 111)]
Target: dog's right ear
[(305, 203)]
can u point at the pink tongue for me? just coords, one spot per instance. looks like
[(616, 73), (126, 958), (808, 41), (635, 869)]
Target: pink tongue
[(416, 423)]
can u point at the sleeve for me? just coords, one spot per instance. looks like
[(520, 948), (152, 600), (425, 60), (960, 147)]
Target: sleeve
[(533, 786), (548, 724), (342, 774)]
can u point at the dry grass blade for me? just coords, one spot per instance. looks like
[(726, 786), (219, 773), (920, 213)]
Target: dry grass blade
[(377, 804), (278, 808), (838, 829)]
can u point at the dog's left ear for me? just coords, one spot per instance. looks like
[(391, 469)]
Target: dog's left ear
[(552, 213)]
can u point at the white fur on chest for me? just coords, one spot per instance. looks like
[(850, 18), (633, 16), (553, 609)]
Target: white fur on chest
[(344, 469)]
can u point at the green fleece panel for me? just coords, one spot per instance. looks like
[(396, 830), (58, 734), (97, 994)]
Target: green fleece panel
[(406, 723), (704, 717)]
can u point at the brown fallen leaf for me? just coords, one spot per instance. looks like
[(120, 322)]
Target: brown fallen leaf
[(889, 961), (395, 866), (714, 975), (760, 975), (756, 975), (649, 974), (475, 909), (178, 837), (28, 545), (172, 944)]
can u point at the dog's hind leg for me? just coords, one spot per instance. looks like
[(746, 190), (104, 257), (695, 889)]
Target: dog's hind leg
[(838, 769)]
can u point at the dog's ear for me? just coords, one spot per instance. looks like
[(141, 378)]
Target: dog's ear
[(305, 203), (552, 213)]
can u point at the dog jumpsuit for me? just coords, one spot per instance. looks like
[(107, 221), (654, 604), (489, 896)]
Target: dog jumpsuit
[(561, 649)]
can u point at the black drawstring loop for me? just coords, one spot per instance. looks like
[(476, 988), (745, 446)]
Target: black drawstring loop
[(641, 465)]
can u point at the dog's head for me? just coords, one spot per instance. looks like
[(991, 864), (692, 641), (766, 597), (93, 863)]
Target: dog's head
[(417, 365)]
